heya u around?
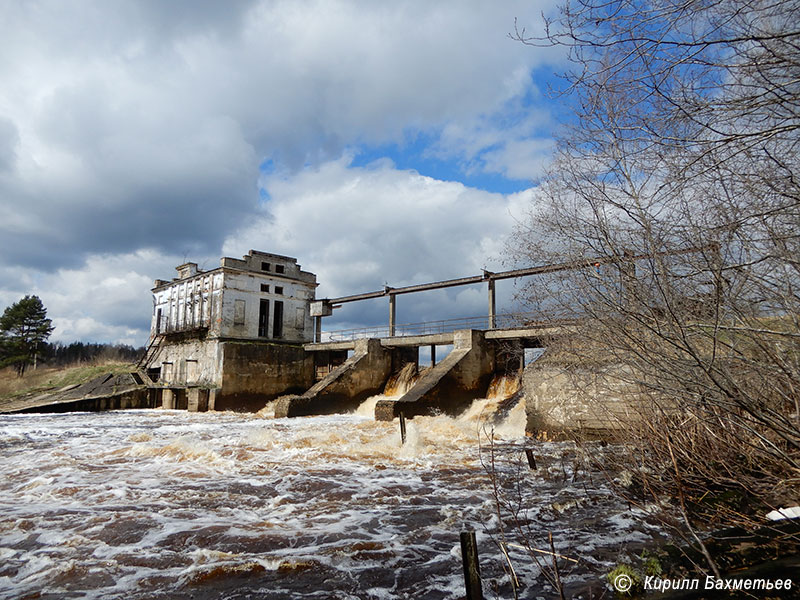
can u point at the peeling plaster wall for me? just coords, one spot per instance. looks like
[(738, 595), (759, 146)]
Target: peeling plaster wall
[(190, 362), (188, 303), (227, 301), (243, 286), (558, 400)]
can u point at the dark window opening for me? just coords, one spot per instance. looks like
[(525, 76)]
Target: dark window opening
[(265, 266), (277, 320), (154, 373), (158, 321), (264, 287), (263, 315), (279, 268), (278, 290)]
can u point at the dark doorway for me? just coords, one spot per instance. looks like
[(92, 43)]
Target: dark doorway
[(263, 315), (158, 321), (154, 374), (277, 320)]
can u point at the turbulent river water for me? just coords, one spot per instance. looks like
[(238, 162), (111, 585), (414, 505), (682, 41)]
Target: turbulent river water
[(171, 504)]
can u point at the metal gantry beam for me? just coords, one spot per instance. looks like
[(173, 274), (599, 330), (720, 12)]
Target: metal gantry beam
[(325, 306)]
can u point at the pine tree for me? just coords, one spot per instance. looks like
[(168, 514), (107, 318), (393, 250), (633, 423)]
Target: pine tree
[(23, 327)]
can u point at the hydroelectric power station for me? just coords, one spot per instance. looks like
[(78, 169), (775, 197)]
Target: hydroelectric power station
[(249, 332)]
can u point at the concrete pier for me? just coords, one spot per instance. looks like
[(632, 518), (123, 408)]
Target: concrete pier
[(197, 399), (168, 399), (461, 377), (362, 375)]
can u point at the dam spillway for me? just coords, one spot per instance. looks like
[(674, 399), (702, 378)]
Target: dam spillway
[(448, 386)]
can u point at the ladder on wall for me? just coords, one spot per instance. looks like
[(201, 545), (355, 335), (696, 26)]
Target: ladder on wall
[(152, 348)]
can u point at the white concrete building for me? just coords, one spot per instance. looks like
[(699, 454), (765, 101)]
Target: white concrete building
[(263, 296), (262, 299)]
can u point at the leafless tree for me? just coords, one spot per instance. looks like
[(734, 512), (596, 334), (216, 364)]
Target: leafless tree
[(681, 167)]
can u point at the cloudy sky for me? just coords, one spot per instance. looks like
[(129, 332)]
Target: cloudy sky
[(377, 142)]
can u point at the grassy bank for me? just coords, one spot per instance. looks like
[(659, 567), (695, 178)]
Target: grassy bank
[(46, 379)]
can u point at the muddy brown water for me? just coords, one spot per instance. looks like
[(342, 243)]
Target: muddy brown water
[(169, 504)]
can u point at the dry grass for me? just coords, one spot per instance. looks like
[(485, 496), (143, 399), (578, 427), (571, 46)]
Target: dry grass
[(48, 379)]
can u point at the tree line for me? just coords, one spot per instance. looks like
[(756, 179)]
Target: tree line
[(59, 354), (24, 330)]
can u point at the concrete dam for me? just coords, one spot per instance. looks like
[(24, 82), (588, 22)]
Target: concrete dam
[(249, 332)]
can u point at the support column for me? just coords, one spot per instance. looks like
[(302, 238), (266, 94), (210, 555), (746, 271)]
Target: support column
[(433, 355), (212, 398), (318, 329), (392, 314), (492, 308), (168, 399), (193, 400)]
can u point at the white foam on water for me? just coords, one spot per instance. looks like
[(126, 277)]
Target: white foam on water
[(128, 502), (367, 407)]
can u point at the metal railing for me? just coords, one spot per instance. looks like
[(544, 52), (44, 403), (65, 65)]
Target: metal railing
[(502, 321)]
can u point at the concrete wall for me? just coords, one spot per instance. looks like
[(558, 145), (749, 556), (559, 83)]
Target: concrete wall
[(253, 373), (236, 375), (245, 287), (561, 399), (190, 362)]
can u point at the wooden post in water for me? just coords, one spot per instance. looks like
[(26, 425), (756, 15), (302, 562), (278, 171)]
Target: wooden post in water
[(472, 572), (403, 428), (531, 459)]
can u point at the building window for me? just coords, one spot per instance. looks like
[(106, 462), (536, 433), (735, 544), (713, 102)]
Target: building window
[(263, 316), (238, 312), (279, 290), (279, 269), (264, 287), (265, 267)]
